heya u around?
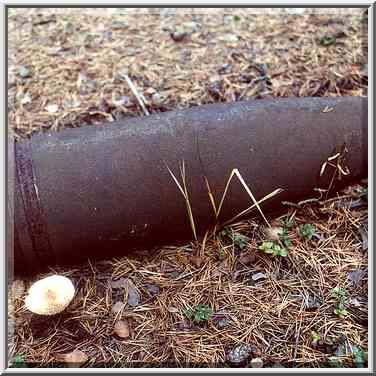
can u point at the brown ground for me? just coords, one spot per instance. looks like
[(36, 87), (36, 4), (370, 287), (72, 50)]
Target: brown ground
[(67, 68)]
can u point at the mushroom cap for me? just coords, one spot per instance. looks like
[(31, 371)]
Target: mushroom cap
[(50, 295)]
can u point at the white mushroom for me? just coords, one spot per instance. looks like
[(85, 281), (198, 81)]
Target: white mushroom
[(50, 295)]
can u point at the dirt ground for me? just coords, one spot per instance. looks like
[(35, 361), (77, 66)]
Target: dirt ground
[(231, 305)]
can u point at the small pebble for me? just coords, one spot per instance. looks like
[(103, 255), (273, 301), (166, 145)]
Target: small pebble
[(133, 295), (119, 283), (157, 99), (178, 35), (152, 289), (24, 72), (356, 276), (239, 354), (256, 363), (229, 38), (258, 276), (222, 323), (117, 307)]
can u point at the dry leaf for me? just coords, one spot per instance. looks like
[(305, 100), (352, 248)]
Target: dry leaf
[(247, 258), (197, 260), (121, 329)]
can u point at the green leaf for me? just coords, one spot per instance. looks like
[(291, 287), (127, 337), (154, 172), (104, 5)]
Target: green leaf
[(307, 231), (327, 41), (288, 223), (283, 252), (18, 362), (199, 314), (341, 312), (359, 357), (335, 362)]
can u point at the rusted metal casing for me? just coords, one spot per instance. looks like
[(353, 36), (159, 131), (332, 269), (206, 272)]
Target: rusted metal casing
[(99, 191)]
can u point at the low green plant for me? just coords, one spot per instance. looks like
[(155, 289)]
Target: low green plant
[(285, 238), (315, 338), (240, 241), (359, 356), (339, 294), (341, 311), (201, 313), (18, 362), (328, 40), (307, 231), (335, 362), (273, 249), (288, 223), (237, 18)]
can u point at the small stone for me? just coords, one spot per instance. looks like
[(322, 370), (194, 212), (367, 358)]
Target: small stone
[(152, 289), (256, 363), (174, 274), (178, 35), (52, 108), (157, 99), (72, 102), (24, 72), (312, 302), (225, 69), (357, 276), (222, 323), (258, 276), (229, 38), (355, 302), (119, 283), (239, 354), (227, 19), (122, 101), (26, 99), (117, 307), (134, 297)]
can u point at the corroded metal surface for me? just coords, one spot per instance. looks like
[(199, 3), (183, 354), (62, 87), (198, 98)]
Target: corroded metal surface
[(102, 190)]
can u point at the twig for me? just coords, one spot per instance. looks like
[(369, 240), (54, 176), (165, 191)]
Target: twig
[(136, 93)]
